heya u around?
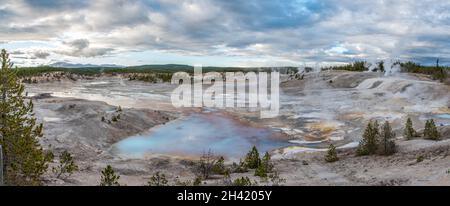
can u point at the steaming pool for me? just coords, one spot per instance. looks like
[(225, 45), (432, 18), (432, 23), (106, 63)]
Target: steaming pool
[(198, 133)]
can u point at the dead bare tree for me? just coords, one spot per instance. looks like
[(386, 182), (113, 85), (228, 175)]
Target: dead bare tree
[(1, 166)]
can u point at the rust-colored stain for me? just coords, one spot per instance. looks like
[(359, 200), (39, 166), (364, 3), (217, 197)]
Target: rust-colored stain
[(352, 116), (444, 110), (320, 131)]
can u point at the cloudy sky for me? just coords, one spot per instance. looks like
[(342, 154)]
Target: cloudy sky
[(224, 32)]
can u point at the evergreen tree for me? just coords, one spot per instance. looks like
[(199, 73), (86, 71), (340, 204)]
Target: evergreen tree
[(376, 128), (252, 160), (381, 66), (265, 167), (368, 144), (219, 166), (109, 178), (409, 131), (25, 161), (331, 154), (387, 140), (431, 131)]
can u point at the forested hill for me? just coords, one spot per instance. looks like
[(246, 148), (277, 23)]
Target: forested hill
[(168, 68)]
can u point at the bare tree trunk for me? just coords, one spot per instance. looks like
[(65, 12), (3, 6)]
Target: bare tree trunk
[(1, 166)]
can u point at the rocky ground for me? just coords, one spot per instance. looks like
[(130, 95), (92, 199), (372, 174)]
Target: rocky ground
[(87, 130), (403, 168)]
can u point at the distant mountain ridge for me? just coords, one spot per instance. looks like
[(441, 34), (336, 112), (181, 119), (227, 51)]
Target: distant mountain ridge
[(71, 65)]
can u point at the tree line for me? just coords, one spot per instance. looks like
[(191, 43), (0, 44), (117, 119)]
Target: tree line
[(437, 72)]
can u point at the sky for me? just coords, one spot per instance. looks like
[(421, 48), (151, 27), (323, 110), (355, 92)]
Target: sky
[(224, 32)]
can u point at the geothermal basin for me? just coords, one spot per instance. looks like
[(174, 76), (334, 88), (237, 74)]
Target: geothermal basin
[(322, 109), (328, 107), (199, 133)]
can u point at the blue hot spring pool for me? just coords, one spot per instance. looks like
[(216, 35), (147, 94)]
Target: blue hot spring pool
[(198, 133), (443, 116)]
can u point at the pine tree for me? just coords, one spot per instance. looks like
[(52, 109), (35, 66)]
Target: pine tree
[(265, 167), (431, 131), (109, 178), (66, 166), (252, 160), (376, 128), (368, 145), (331, 154), (25, 162), (381, 66), (409, 131), (387, 143), (219, 166)]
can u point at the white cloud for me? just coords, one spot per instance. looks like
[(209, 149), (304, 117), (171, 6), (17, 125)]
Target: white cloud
[(289, 31)]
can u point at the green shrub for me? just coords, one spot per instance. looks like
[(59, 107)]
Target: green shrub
[(66, 166), (239, 167), (197, 181), (243, 181), (178, 182), (331, 154), (109, 178), (276, 179), (158, 179), (420, 159)]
